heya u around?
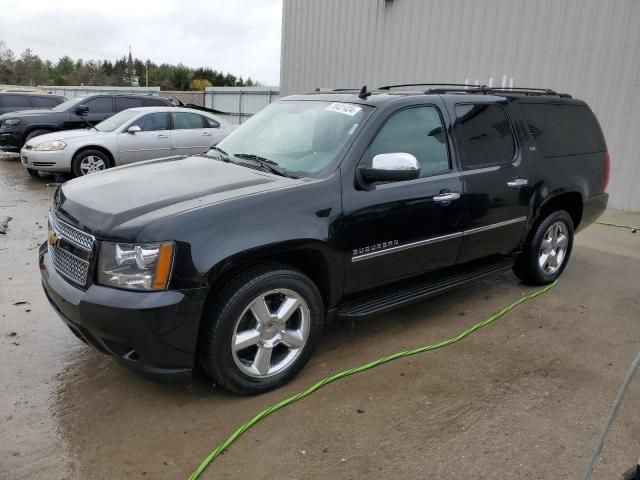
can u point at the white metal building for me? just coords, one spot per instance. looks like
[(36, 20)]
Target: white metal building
[(588, 48)]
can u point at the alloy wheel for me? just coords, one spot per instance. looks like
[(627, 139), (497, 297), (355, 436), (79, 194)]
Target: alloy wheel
[(270, 333), (91, 164), (553, 248)]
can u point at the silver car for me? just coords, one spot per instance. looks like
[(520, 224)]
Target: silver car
[(130, 136)]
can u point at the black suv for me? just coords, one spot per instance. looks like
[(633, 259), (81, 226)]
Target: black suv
[(19, 127), (321, 205), (15, 101)]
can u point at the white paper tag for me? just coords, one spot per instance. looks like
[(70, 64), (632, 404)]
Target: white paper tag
[(346, 108)]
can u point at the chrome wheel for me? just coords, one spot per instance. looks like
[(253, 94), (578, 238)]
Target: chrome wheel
[(270, 333), (553, 249), (91, 164)]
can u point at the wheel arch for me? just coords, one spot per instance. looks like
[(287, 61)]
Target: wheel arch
[(571, 201), (100, 148)]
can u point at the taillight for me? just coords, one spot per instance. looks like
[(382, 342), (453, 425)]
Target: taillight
[(607, 170)]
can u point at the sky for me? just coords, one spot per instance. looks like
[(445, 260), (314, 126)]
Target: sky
[(241, 37)]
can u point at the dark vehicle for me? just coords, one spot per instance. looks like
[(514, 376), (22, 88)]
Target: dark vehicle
[(18, 127), (322, 205), (16, 101)]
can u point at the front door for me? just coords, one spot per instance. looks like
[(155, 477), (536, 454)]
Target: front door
[(496, 187), (395, 230), (152, 141)]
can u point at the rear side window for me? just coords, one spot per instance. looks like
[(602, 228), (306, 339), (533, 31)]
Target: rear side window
[(418, 131), (16, 101), (483, 135), (186, 121), (562, 130), (46, 102), (100, 105), (210, 122), (122, 103), (153, 102)]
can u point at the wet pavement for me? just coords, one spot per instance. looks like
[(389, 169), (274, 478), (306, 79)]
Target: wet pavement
[(525, 398)]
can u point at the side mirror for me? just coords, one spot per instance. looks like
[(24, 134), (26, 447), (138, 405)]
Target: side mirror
[(391, 167), (82, 110), (134, 129)]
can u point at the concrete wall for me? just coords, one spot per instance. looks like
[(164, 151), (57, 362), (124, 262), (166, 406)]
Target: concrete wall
[(197, 98), (589, 48)]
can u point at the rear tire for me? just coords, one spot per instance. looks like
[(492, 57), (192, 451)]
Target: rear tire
[(248, 345), (89, 161), (33, 173), (547, 250)]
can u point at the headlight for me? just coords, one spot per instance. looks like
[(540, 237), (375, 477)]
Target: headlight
[(145, 266), (51, 146), (11, 122)]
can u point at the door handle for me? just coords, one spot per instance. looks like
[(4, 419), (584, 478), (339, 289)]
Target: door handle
[(446, 197), (206, 134), (163, 136), (517, 183)]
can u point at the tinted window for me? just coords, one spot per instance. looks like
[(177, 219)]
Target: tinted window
[(15, 101), (154, 102), (153, 122), (417, 131), (47, 102), (483, 135), (185, 121), (562, 130), (210, 122), (122, 103), (100, 105)]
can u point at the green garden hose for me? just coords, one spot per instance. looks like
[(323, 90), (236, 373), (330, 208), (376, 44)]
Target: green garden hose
[(633, 228), (325, 381)]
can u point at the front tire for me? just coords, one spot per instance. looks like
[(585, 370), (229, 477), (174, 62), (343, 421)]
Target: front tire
[(261, 330), (89, 161), (547, 250)]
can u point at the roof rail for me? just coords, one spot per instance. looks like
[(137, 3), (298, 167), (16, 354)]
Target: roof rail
[(467, 85)]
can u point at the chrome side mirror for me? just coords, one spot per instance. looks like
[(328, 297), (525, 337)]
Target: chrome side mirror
[(391, 167)]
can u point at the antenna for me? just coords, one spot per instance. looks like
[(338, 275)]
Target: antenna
[(363, 93)]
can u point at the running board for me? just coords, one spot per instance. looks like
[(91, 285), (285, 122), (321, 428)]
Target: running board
[(406, 293)]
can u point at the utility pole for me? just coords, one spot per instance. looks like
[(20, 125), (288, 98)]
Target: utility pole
[(146, 73)]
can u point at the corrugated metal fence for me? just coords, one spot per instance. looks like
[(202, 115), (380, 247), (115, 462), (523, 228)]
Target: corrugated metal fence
[(239, 102), (588, 48)]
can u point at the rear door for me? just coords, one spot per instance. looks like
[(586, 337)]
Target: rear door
[(152, 141), (189, 135), (123, 103), (495, 177)]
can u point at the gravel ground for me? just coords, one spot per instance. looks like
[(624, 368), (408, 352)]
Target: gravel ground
[(525, 398)]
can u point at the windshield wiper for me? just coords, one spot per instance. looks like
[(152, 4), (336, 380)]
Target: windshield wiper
[(224, 156), (265, 163)]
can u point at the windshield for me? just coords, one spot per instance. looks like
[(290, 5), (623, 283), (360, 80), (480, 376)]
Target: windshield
[(299, 136), (111, 123), (64, 106)]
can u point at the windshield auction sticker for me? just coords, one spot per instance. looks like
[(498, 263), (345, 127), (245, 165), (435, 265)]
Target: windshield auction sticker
[(346, 108)]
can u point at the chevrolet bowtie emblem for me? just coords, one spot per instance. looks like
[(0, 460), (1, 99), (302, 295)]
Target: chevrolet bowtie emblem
[(53, 239)]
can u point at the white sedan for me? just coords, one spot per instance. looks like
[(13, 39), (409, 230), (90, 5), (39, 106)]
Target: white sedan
[(130, 136)]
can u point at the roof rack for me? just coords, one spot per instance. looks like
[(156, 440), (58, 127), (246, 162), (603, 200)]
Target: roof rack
[(481, 89), (363, 93)]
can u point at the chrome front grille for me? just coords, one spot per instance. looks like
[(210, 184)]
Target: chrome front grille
[(70, 250), (72, 234), (69, 266)]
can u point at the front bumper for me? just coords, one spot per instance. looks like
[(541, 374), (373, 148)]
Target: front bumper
[(153, 333), (55, 161), (9, 141)]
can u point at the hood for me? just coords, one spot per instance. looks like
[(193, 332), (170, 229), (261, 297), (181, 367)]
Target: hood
[(119, 202), (24, 113), (63, 135)]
